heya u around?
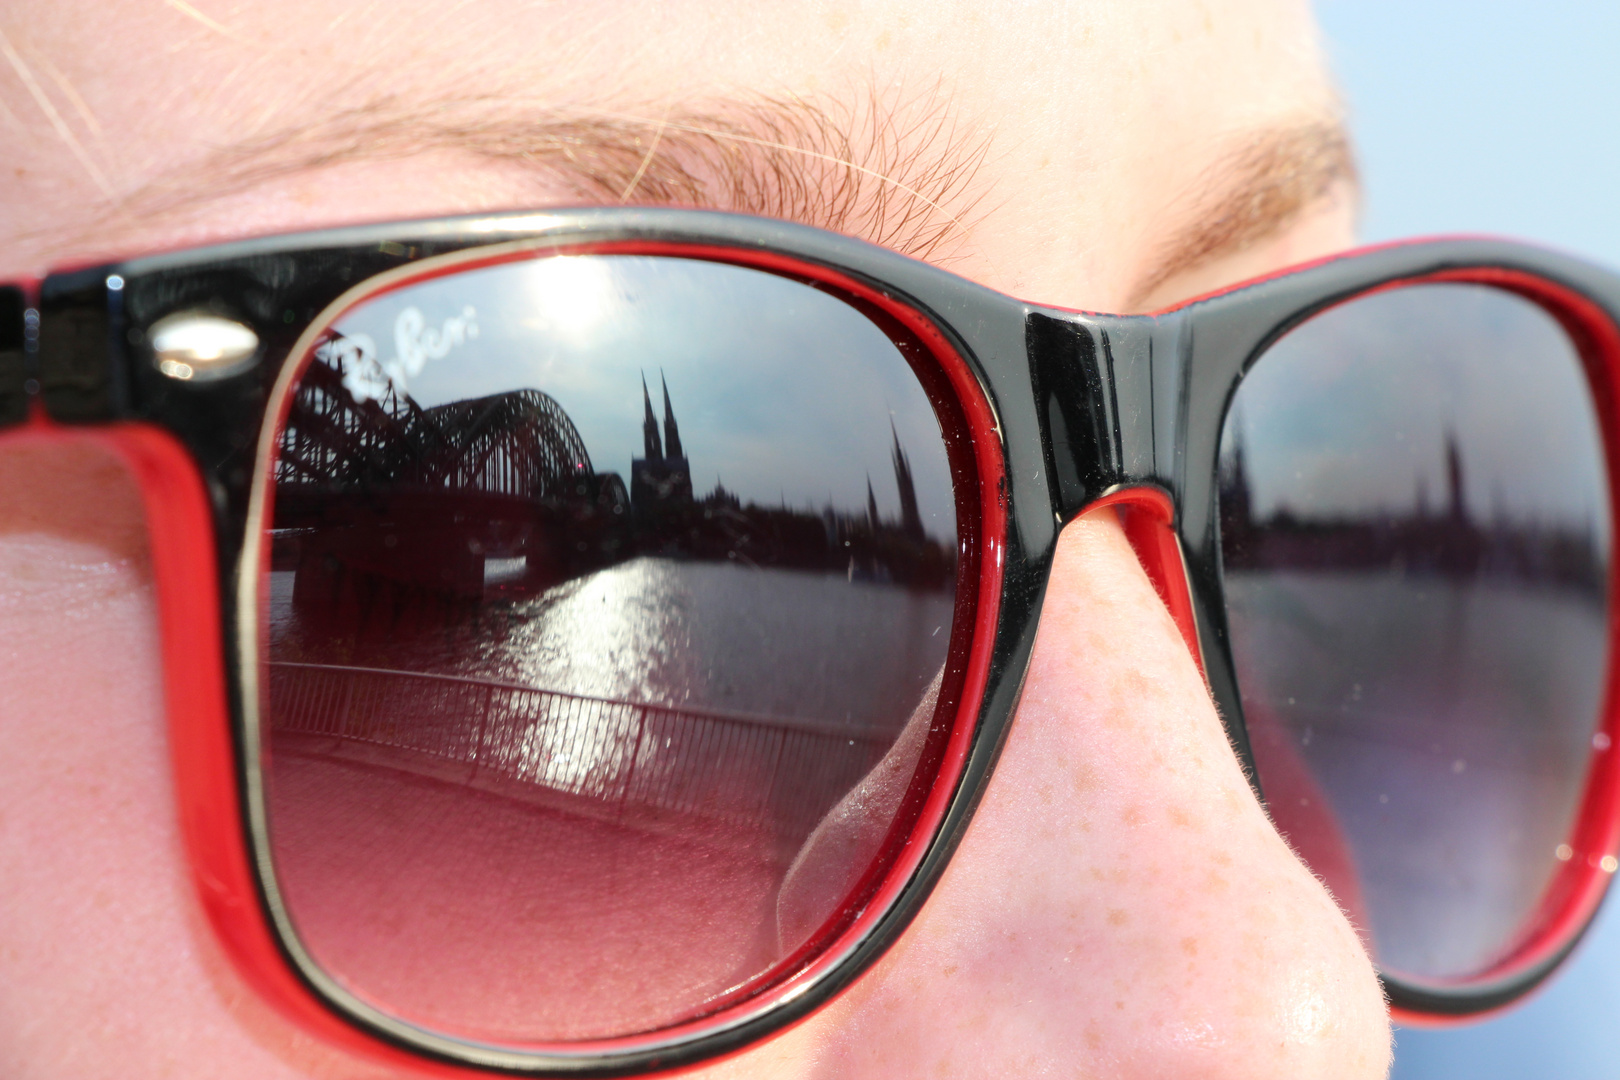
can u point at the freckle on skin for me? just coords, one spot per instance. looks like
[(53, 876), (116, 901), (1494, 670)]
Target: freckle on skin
[(1133, 815), (1189, 946), (1136, 686), (1180, 818), (1117, 917)]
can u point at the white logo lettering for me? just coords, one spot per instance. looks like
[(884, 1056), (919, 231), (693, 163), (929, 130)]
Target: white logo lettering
[(368, 379)]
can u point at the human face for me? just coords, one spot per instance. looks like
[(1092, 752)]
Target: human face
[(1121, 904)]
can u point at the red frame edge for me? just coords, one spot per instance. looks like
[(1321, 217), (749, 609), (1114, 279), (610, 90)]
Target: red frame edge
[(205, 759), (180, 528), (1573, 896), (1148, 518)]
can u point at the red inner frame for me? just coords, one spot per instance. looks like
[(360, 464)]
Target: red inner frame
[(1573, 896), (205, 756), (1148, 516)]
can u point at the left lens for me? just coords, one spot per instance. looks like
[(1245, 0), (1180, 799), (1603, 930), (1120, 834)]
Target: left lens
[(608, 612), (1415, 536)]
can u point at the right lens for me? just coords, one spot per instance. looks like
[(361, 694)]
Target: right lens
[(608, 611), (1415, 543)]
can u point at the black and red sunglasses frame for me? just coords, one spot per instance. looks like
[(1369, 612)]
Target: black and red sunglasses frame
[(1047, 413)]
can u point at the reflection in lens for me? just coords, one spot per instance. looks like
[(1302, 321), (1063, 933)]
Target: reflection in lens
[(598, 585), (1414, 532)]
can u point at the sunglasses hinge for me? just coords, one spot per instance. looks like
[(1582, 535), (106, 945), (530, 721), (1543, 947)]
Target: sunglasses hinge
[(80, 375)]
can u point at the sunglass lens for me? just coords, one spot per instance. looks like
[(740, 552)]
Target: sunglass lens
[(606, 611), (1415, 533)]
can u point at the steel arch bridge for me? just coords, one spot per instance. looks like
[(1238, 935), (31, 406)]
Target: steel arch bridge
[(385, 492), (520, 444)]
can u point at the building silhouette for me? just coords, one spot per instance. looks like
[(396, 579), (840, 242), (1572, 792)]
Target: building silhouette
[(393, 509), (661, 476), (910, 518), (1457, 504), (1447, 540)]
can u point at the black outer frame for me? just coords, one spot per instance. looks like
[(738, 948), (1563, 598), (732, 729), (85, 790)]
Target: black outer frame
[(1221, 340), (1086, 405)]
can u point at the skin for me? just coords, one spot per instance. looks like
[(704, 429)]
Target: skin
[(1121, 905)]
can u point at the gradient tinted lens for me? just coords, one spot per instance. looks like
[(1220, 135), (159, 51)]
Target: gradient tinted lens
[(1415, 536), (607, 608)]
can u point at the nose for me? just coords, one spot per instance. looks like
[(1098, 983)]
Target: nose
[(1121, 905)]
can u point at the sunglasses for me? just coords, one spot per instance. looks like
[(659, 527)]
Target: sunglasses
[(587, 633)]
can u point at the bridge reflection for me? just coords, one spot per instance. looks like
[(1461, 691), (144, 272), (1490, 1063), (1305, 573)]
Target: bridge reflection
[(430, 495)]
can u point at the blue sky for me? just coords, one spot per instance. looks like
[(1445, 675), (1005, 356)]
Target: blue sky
[(1496, 117), (1499, 116), (780, 391), (1348, 413)]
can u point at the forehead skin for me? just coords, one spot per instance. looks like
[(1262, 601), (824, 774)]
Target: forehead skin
[(1097, 137), (1098, 130)]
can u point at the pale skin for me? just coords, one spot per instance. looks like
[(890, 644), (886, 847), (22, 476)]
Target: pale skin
[(1120, 906)]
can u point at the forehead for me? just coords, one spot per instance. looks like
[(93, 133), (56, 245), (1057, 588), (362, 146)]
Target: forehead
[(1054, 144)]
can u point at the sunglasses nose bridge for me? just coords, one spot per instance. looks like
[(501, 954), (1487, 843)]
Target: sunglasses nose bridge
[(1106, 398)]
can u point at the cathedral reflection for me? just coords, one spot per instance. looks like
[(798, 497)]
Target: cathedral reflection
[(458, 591), (497, 497), (1450, 540), (481, 640)]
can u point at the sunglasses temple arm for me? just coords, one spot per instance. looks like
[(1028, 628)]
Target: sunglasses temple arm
[(19, 324)]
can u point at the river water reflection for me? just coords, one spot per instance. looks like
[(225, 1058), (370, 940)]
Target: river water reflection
[(711, 637), (586, 612)]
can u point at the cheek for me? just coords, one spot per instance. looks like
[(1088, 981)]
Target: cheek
[(106, 968)]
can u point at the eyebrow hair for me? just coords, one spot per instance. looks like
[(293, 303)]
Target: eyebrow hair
[(903, 172), (1254, 191)]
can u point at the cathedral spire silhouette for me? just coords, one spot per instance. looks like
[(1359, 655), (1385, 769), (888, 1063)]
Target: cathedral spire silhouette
[(1237, 502), (653, 450), (1457, 495), (910, 517), (672, 435), (662, 477)]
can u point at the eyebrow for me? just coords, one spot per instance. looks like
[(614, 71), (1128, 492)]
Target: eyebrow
[(903, 172), (1262, 184)]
